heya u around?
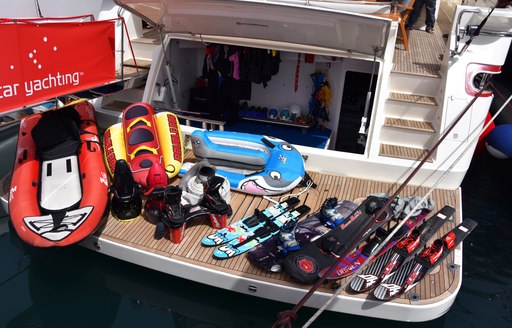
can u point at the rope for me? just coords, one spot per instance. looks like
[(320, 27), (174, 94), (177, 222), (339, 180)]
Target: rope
[(377, 250), (297, 73), (309, 185), (35, 20), (20, 270), (286, 316), (38, 8)]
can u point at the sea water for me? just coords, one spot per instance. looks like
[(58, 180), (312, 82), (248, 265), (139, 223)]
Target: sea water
[(75, 287)]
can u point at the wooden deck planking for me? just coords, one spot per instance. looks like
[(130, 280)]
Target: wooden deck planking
[(424, 56), (403, 152), (139, 233)]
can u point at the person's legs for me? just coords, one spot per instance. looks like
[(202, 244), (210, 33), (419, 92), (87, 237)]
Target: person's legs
[(413, 17), (430, 18)]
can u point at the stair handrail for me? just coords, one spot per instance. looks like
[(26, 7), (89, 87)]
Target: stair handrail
[(120, 17), (188, 116)]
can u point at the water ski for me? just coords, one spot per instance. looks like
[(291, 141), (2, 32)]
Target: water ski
[(252, 239), (354, 260), (402, 252), (249, 223), (412, 272)]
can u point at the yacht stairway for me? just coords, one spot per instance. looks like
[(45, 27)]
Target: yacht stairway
[(135, 69), (143, 48), (411, 109)]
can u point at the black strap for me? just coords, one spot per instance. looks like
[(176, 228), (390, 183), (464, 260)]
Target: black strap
[(331, 245), (305, 180)]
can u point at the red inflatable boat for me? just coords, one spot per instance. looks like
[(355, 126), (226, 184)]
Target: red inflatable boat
[(59, 187)]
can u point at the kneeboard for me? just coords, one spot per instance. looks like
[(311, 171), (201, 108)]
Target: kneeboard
[(268, 256), (305, 264)]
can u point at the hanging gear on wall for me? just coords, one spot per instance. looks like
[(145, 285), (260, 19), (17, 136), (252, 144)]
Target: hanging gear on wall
[(321, 98)]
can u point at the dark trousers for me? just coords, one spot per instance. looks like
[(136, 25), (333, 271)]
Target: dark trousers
[(430, 11)]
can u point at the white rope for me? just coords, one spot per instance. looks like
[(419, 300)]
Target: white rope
[(309, 184), (377, 250)]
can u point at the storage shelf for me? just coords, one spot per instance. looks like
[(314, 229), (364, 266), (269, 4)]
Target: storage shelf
[(281, 122)]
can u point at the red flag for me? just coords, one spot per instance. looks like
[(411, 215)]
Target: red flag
[(40, 60)]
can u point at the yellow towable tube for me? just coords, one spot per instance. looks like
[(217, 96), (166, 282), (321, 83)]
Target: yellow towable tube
[(143, 138)]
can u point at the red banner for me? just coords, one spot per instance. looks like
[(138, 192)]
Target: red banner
[(39, 61)]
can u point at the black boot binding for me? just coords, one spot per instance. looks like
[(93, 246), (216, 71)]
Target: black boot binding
[(329, 214), (212, 200), (173, 216), (126, 199)]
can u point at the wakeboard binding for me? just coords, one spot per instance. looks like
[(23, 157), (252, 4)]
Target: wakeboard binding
[(329, 214), (218, 209), (173, 216), (286, 241)]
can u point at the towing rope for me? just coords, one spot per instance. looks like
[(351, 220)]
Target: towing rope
[(286, 317), (429, 192)]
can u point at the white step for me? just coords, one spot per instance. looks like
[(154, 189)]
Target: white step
[(410, 106), (144, 46), (407, 133), (414, 84), (406, 138)]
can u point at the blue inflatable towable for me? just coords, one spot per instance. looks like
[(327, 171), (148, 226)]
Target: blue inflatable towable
[(499, 141), (253, 164)]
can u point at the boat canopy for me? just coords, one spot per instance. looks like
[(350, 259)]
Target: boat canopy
[(293, 22)]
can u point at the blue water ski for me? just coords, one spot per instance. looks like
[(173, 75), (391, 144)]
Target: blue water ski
[(252, 239), (249, 224)]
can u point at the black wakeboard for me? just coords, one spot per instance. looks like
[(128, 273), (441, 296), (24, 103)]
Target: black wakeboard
[(305, 264)]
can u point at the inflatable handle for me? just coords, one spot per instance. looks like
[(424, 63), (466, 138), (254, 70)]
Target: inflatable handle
[(194, 172), (205, 148)]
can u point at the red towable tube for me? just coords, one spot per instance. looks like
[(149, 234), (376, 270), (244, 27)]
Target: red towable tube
[(144, 139), (59, 192)]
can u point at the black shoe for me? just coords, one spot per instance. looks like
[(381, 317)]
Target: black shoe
[(173, 215), (126, 198), (212, 200)]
